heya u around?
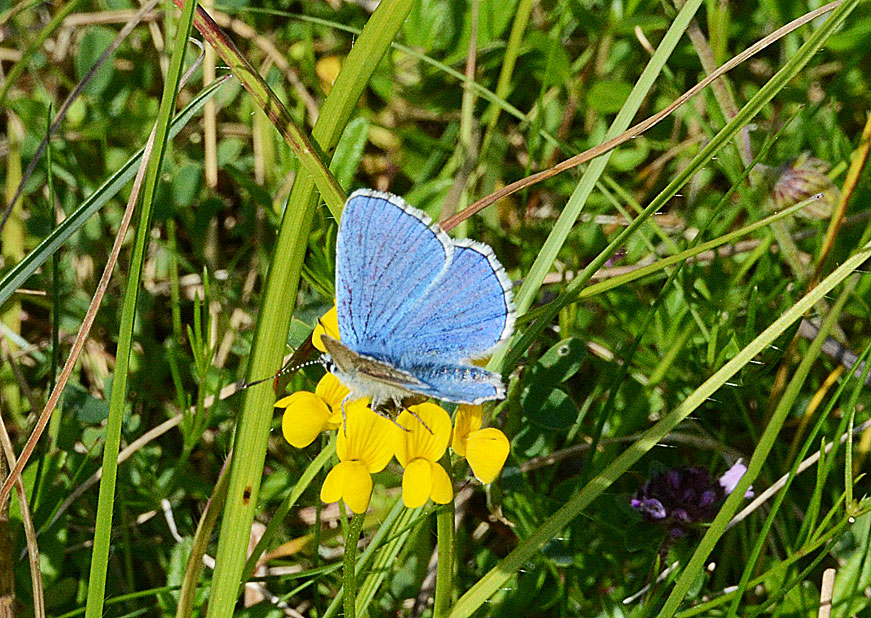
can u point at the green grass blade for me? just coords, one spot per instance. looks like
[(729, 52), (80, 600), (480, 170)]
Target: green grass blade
[(572, 210), (382, 552), (485, 93), (762, 537), (277, 306), (34, 47), (490, 583), (639, 273), (308, 151), (281, 512), (384, 558), (779, 569), (202, 535), (19, 273), (512, 51), (117, 403)]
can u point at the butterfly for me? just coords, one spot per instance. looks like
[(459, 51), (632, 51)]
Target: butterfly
[(414, 307)]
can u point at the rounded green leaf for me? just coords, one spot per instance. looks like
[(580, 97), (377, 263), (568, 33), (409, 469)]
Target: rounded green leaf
[(560, 362), (549, 408)]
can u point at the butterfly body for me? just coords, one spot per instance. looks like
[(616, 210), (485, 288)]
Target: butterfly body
[(414, 306), (366, 376)]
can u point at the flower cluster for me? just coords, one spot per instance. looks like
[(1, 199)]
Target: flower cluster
[(684, 496), (367, 441)]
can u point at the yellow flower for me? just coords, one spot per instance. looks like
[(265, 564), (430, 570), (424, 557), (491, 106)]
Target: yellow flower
[(485, 449), (420, 447), (365, 447), (328, 325), (308, 414)]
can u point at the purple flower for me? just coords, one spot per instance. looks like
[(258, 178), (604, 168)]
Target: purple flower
[(684, 496)]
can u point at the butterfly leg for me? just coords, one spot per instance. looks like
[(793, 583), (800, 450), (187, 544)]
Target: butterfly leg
[(419, 420), (383, 414)]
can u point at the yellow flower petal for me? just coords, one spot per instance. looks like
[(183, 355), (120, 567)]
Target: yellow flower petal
[(358, 487), (468, 419), (305, 416), (417, 483), (331, 490), (331, 390), (486, 450), (367, 437), (328, 324), (442, 492), (333, 393), (427, 435), (351, 482)]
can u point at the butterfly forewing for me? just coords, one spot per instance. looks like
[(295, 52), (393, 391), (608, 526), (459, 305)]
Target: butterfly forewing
[(386, 258)]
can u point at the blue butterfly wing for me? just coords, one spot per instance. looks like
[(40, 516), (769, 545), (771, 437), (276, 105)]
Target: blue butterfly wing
[(465, 313), (458, 383), (387, 256)]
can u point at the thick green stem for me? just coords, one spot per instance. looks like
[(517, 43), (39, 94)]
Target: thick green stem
[(445, 572), (350, 565)]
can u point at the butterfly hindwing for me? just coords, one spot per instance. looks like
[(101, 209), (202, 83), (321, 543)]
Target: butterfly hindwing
[(457, 383), (387, 255)]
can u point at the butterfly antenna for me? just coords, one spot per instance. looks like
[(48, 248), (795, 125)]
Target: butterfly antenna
[(281, 372)]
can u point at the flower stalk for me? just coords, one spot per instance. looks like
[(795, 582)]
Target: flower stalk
[(349, 566), (445, 545)]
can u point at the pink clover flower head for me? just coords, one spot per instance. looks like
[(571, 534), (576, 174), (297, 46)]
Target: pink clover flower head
[(682, 497)]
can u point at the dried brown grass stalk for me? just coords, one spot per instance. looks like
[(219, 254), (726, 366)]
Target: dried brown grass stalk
[(29, 529)]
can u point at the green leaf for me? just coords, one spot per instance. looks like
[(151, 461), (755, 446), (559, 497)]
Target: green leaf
[(88, 409), (186, 184), (560, 362), (19, 273), (551, 62), (93, 43), (175, 573), (630, 156), (349, 151), (608, 97), (854, 575), (549, 408)]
